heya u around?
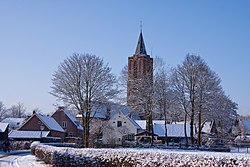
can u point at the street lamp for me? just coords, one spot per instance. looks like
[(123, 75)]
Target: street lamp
[(41, 128)]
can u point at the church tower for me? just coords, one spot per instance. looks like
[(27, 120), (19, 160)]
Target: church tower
[(140, 74)]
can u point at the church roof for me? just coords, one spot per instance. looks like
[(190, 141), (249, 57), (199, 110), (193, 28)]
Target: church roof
[(141, 49)]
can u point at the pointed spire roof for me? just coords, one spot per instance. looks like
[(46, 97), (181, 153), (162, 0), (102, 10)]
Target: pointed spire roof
[(141, 49)]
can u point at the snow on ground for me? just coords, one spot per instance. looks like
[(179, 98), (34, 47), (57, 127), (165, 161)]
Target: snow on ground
[(31, 161), (20, 158)]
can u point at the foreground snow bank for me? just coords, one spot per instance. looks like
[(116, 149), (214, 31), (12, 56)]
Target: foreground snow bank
[(58, 156)]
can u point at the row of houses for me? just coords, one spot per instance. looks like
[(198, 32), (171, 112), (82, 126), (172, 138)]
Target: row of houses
[(121, 127), (60, 125), (112, 124)]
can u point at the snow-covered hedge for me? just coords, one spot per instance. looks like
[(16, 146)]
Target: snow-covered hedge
[(58, 157)]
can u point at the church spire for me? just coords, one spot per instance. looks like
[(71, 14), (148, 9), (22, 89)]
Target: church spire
[(140, 49)]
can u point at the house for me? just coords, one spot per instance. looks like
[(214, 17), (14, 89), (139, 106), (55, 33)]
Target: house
[(106, 111), (37, 127), (118, 127), (243, 127), (68, 122), (34, 135), (14, 123), (175, 132), (208, 128), (99, 117), (121, 126), (4, 131)]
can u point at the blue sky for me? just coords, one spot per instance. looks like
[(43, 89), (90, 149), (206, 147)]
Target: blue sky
[(35, 36)]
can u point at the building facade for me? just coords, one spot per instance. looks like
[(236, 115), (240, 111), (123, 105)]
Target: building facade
[(68, 122)]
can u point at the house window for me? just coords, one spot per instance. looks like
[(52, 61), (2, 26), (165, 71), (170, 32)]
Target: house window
[(119, 123), (70, 134), (64, 124)]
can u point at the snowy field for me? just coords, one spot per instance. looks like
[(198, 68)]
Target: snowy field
[(59, 156)]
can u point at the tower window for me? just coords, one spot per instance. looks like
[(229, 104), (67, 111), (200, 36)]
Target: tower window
[(135, 69)]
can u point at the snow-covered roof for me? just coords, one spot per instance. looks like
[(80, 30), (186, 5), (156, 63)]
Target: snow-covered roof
[(133, 122), (14, 122), (103, 111), (130, 119), (142, 123), (73, 119), (3, 127), (246, 125), (28, 134), (50, 123), (173, 130), (207, 127)]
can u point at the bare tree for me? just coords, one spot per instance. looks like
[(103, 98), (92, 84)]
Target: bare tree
[(162, 93), (2, 111), (82, 80), (201, 94), (208, 87), (122, 82), (17, 111), (178, 86), (187, 77)]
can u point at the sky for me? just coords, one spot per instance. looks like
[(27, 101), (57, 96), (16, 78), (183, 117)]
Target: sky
[(36, 36)]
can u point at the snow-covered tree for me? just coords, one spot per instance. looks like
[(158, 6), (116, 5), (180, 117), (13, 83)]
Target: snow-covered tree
[(2, 111), (201, 95), (17, 111), (83, 80)]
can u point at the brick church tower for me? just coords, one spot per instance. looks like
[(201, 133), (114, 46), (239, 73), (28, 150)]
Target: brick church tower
[(140, 74)]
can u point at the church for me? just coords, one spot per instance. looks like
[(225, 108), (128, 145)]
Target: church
[(140, 79)]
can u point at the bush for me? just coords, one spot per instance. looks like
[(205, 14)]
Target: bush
[(71, 157), (20, 145)]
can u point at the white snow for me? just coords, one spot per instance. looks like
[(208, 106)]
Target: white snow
[(144, 157), (173, 130), (246, 125), (20, 158), (28, 134), (3, 126), (14, 123), (50, 123), (140, 157)]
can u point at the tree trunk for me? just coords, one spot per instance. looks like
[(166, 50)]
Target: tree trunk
[(192, 128), (86, 139), (185, 129), (165, 119), (192, 99), (199, 127)]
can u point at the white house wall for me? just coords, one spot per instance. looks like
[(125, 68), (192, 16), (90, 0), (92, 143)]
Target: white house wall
[(112, 134)]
